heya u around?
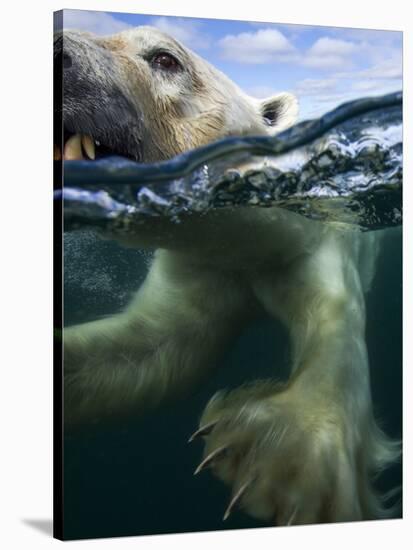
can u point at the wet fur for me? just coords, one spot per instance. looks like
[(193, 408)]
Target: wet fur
[(310, 448)]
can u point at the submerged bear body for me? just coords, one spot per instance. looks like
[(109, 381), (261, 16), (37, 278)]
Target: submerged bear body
[(300, 452)]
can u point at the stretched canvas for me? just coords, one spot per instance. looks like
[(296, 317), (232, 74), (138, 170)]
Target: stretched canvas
[(228, 327)]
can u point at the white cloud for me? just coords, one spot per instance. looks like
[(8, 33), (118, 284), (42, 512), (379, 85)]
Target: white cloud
[(315, 86), (261, 92), (285, 28), (331, 46), (376, 87), (327, 53), (319, 104), (318, 96), (387, 69), (315, 106), (360, 63), (372, 36), (262, 46), (367, 85), (270, 45), (186, 31), (97, 22)]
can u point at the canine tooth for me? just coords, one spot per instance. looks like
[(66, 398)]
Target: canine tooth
[(203, 430), (73, 148), (215, 454), (237, 497), (88, 146), (57, 155)]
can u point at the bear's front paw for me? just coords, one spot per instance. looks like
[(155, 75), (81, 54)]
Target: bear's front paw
[(288, 459)]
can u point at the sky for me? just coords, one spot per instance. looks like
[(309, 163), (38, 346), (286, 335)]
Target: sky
[(322, 66)]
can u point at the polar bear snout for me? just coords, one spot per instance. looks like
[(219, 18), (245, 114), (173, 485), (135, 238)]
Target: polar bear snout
[(98, 116)]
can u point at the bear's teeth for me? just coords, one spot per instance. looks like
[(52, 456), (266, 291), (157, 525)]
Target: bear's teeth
[(73, 148), (88, 146)]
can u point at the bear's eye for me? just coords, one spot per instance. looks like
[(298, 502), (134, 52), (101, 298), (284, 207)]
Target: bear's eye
[(165, 61)]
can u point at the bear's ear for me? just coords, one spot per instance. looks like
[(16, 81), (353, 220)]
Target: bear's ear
[(279, 112)]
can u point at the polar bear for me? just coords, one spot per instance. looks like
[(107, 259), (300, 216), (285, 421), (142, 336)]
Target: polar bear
[(298, 452)]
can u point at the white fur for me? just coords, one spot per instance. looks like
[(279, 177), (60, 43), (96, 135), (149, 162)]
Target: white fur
[(309, 448)]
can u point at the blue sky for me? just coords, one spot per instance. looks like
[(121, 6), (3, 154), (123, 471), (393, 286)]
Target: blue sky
[(323, 66)]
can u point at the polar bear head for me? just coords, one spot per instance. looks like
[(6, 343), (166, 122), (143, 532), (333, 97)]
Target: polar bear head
[(143, 95)]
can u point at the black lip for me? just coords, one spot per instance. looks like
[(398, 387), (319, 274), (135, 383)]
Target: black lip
[(88, 99), (101, 149), (112, 121)]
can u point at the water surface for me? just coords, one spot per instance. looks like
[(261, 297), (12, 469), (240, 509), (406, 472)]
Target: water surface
[(136, 477)]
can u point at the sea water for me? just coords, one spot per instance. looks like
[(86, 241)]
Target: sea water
[(135, 477)]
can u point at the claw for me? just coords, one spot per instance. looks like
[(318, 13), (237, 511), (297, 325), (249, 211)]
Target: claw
[(215, 454), (203, 430), (292, 517), (236, 498)]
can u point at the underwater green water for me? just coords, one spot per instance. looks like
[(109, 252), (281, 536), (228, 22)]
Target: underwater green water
[(136, 477)]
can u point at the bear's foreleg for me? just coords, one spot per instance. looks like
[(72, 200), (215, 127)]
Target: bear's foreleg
[(305, 451), (167, 339)]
